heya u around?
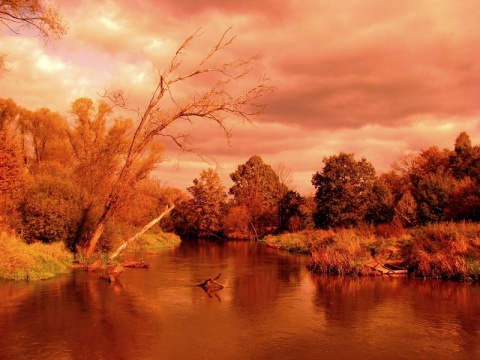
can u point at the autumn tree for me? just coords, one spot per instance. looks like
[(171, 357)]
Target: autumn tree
[(406, 210), (227, 96), (258, 188), (464, 202), (100, 143), (461, 158), (45, 131), (381, 208), (10, 178), (208, 203), (433, 194), (9, 112), (343, 191), (290, 211)]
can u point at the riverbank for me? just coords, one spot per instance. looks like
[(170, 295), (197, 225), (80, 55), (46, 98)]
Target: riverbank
[(449, 251), (38, 261)]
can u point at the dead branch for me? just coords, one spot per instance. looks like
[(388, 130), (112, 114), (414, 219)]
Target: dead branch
[(140, 233), (211, 284)]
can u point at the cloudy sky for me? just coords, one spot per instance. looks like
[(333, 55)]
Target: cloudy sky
[(371, 77)]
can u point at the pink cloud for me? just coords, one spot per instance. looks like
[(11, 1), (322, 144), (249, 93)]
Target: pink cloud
[(372, 77)]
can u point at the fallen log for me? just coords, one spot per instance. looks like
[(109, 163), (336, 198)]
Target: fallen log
[(141, 232), (136, 264), (113, 275)]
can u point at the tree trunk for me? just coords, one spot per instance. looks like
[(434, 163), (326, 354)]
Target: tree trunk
[(92, 243), (140, 233)]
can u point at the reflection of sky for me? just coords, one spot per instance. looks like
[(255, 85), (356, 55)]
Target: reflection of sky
[(376, 78), (270, 308)]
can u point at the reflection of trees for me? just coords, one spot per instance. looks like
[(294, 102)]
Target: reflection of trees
[(78, 316), (448, 310)]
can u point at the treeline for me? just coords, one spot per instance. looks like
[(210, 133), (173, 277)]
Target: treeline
[(431, 186), (56, 174)]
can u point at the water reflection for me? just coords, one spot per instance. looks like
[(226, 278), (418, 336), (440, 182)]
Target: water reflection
[(270, 308), (437, 318)]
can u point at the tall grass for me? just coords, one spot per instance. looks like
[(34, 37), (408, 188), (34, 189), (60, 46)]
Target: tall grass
[(37, 261), (448, 251), (438, 251)]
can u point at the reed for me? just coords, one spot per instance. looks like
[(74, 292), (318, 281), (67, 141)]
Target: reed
[(449, 251)]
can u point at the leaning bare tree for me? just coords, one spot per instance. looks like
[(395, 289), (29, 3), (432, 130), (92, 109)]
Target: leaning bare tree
[(220, 101)]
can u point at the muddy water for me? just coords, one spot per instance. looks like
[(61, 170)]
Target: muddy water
[(270, 308)]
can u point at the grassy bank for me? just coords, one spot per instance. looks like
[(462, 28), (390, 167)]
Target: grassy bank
[(151, 241), (449, 251), (37, 261), (155, 240)]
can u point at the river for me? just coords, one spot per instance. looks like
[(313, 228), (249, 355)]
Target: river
[(271, 308)]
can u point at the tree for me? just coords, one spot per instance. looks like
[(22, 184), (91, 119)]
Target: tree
[(9, 112), (164, 110), (381, 209), (47, 130), (433, 194), (460, 160), (208, 202), (343, 191), (10, 177), (290, 213), (41, 15), (51, 208), (464, 202), (406, 210), (258, 188)]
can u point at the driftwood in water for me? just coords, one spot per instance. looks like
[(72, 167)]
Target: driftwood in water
[(211, 284), (136, 264), (112, 276)]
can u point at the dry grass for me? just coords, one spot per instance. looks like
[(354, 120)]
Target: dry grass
[(448, 251), (438, 251)]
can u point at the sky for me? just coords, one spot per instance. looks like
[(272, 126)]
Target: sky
[(379, 79)]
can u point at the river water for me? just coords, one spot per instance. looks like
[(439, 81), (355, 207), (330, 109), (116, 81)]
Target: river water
[(271, 308)]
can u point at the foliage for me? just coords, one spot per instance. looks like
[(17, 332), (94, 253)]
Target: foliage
[(381, 208), (290, 212), (343, 191), (11, 179), (464, 202), (433, 194), (208, 203), (50, 209), (37, 261), (258, 189), (238, 223), (406, 210)]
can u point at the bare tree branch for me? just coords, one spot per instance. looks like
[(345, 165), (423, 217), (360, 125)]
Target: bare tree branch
[(215, 104)]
